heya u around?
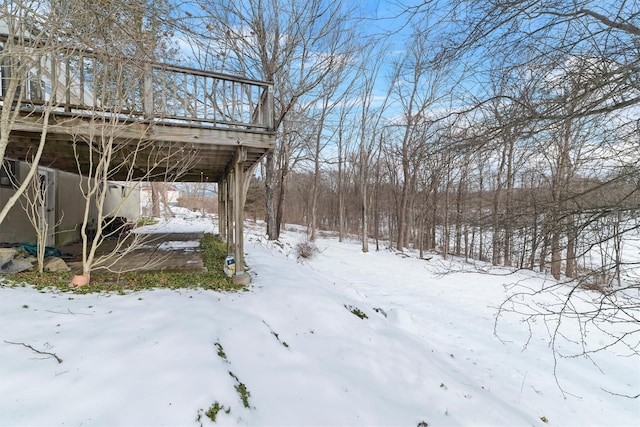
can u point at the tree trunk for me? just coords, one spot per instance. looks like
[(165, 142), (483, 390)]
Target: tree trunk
[(507, 222), (556, 260), (280, 204), (364, 176), (572, 237), (404, 201), (481, 210), (314, 200), (155, 200), (497, 211), (446, 234), (534, 242), (617, 247), (544, 251), (376, 207), (340, 190), (270, 198)]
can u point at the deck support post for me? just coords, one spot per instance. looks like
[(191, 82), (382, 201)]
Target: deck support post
[(222, 209), (231, 237), (240, 157), (231, 212)]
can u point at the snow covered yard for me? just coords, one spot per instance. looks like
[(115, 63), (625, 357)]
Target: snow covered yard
[(345, 338)]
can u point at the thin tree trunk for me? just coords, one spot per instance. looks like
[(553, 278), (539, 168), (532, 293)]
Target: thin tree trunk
[(572, 237), (280, 204), (556, 262), (376, 209), (507, 222), (365, 220), (617, 247), (340, 190), (270, 198), (544, 251), (446, 234), (155, 200), (497, 211)]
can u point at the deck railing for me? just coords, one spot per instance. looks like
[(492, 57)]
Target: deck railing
[(84, 82)]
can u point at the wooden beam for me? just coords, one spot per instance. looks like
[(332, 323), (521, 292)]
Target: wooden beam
[(211, 153), (88, 127)]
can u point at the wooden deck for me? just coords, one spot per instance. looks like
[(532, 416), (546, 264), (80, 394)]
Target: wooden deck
[(151, 121), (186, 121)]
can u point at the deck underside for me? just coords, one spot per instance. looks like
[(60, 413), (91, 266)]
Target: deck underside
[(139, 149)]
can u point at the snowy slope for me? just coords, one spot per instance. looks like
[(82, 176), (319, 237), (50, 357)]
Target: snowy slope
[(426, 351)]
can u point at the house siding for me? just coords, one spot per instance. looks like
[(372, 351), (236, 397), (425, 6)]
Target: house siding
[(122, 199), (16, 226)]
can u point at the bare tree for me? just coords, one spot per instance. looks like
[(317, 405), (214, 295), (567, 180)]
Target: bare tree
[(370, 130), (34, 203), (26, 49), (332, 96), (291, 43), (112, 156), (344, 133), (116, 43), (586, 95), (416, 90)]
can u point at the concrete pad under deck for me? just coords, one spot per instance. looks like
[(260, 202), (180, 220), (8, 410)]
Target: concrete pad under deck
[(157, 252)]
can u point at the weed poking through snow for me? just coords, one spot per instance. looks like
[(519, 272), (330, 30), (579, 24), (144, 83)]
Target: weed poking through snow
[(356, 311), (212, 412), (242, 390), (275, 334), (221, 352)]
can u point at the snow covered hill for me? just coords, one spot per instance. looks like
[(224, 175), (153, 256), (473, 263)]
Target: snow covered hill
[(342, 339)]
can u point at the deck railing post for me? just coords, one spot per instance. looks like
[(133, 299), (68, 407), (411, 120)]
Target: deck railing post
[(268, 108)]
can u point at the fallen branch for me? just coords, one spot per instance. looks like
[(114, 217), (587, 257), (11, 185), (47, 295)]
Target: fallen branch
[(621, 395), (37, 351), (67, 312)]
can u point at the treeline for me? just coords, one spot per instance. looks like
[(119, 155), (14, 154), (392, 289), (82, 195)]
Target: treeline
[(480, 208), (500, 131)]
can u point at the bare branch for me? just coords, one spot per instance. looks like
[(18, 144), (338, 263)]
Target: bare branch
[(37, 351)]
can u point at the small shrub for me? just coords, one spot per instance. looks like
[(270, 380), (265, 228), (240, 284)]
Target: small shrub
[(306, 249)]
